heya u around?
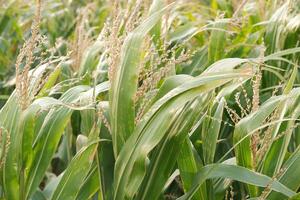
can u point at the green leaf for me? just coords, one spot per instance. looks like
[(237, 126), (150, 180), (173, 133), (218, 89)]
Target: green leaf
[(189, 163), (49, 137), (279, 54), (217, 41), (74, 175), (10, 120), (90, 185), (210, 136), (164, 157), (279, 148), (124, 83), (50, 82), (248, 125), (296, 197), (235, 173), (152, 129), (290, 175)]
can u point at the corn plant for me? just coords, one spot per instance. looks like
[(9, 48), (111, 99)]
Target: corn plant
[(138, 100)]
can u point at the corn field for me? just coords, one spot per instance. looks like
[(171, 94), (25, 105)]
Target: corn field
[(149, 99)]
